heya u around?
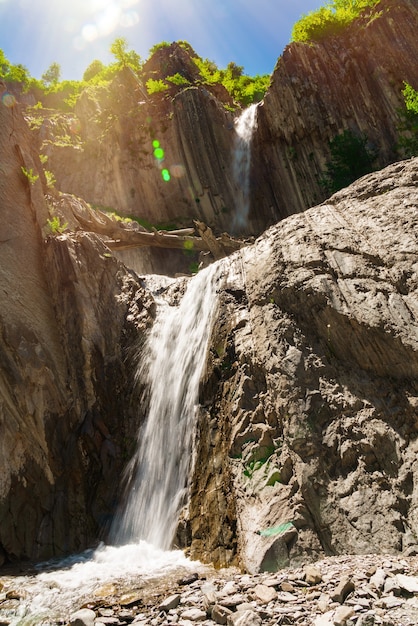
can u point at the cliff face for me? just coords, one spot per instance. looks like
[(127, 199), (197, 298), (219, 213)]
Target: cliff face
[(307, 443), (306, 440), (349, 82), (111, 161), (65, 426)]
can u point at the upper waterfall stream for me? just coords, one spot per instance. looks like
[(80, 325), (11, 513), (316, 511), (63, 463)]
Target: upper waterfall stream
[(171, 366), (245, 125)]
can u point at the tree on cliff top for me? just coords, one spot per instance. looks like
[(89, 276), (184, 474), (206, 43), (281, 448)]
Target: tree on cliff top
[(329, 19)]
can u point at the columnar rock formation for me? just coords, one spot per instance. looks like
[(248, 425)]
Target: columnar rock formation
[(67, 313)]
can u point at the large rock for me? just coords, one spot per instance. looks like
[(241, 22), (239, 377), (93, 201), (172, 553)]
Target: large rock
[(307, 442)]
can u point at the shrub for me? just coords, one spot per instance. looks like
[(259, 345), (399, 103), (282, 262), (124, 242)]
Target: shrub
[(329, 19), (350, 159), (155, 86), (408, 123)]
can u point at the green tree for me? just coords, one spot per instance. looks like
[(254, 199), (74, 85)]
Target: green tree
[(350, 159), (124, 57), (95, 68), (52, 75)]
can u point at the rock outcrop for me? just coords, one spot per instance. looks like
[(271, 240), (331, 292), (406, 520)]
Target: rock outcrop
[(307, 438), (352, 81)]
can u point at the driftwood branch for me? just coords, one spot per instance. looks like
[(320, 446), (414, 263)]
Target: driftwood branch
[(120, 236)]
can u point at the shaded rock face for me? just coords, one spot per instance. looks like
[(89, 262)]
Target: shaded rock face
[(308, 438), (69, 314), (352, 81)]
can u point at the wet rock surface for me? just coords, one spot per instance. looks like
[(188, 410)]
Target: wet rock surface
[(336, 591)]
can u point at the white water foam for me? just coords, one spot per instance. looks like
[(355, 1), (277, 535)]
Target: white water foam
[(244, 128), (61, 587)]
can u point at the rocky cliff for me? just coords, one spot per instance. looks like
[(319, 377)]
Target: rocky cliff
[(306, 440), (70, 315), (104, 151), (308, 437)]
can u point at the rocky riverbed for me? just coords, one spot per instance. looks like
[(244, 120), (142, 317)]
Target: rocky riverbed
[(361, 590)]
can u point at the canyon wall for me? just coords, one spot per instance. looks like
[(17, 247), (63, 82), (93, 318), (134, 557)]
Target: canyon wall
[(70, 314), (352, 81)]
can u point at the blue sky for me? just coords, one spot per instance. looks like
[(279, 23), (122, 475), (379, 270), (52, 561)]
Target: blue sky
[(252, 33)]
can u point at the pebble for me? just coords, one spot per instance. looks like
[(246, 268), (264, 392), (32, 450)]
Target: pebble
[(362, 590)]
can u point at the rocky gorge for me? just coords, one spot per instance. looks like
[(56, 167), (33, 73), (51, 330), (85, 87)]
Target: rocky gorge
[(306, 433)]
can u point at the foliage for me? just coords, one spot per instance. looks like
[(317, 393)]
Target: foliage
[(30, 175), (55, 226), (52, 74), (159, 46), (243, 89), (408, 122), (178, 79), (50, 179), (124, 57), (329, 19), (350, 159), (95, 68), (155, 86)]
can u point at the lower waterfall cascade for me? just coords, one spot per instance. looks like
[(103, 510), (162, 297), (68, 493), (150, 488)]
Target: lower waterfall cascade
[(172, 362)]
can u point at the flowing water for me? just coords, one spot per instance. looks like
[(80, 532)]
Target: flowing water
[(172, 362), (244, 128)]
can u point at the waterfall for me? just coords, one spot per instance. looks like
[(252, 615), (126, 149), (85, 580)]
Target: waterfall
[(172, 363), (244, 128)]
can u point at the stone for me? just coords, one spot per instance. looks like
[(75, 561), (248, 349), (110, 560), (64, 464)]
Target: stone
[(408, 583), (83, 617), (342, 590), (170, 603), (342, 615), (378, 579), (313, 575), (193, 614), (327, 619), (244, 618), (220, 614), (263, 594)]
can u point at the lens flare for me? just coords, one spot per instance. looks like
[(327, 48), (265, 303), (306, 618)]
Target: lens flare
[(8, 100), (166, 175), (159, 154)]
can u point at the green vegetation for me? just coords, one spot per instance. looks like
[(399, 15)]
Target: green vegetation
[(408, 123), (52, 74), (55, 226), (32, 178), (329, 19), (350, 158), (243, 89), (156, 86)]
